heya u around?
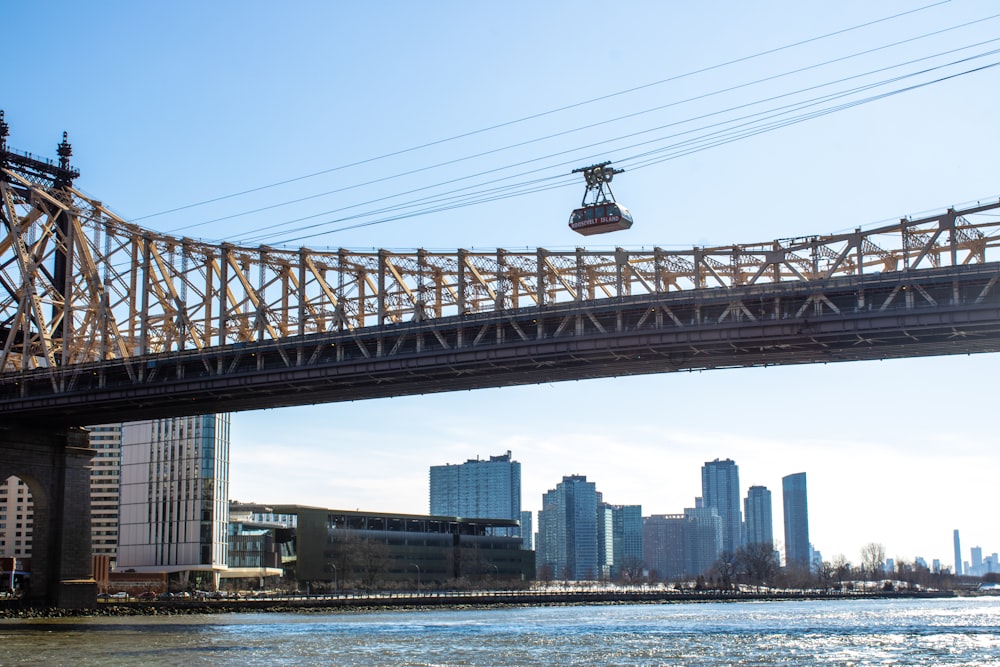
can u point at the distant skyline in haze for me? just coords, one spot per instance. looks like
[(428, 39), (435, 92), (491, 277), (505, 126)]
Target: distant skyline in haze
[(327, 125)]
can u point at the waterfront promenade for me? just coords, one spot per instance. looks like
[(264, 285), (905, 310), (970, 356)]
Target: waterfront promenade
[(359, 601)]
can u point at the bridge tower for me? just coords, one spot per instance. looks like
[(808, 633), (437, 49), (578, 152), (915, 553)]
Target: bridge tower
[(55, 467), (52, 461)]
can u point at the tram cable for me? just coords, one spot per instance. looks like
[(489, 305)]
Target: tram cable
[(476, 198), (550, 112), (727, 134), (608, 121), (273, 226)]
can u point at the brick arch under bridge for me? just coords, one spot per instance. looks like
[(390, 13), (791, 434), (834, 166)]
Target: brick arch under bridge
[(55, 468)]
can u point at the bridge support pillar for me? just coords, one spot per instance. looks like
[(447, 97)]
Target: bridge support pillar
[(54, 464)]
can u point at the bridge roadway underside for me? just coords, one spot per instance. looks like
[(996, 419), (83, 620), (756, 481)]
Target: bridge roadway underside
[(953, 310)]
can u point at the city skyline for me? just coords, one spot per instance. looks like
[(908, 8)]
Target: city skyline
[(684, 487), (170, 126), (616, 531)]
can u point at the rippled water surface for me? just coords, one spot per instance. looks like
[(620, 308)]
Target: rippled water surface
[(842, 632)]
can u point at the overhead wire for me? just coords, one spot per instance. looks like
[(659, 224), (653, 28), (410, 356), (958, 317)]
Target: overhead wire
[(546, 113), (715, 143), (846, 105), (505, 192), (274, 226), (686, 147), (589, 126)]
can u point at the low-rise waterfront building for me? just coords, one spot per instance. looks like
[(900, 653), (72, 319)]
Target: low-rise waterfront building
[(374, 550)]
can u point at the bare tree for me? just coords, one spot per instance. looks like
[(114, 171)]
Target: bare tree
[(826, 573), (374, 557), (873, 560), (631, 569), (344, 558), (359, 556), (757, 563), (841, 568), (724, 569)]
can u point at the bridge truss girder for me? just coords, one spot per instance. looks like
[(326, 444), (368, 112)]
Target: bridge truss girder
[(950, 310), (130, 293)]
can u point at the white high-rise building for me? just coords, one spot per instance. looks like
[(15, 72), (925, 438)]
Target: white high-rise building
[(105, 474), (16, 515), (175, 496)]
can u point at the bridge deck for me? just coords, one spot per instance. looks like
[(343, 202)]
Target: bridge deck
[(951, 310)]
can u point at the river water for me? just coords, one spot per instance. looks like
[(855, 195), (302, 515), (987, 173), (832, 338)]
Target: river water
[(964, 631)]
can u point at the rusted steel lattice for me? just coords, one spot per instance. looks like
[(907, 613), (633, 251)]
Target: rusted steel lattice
[(79, 284)]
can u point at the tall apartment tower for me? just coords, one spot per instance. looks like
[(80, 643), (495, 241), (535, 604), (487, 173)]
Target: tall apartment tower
[(175, 497), (105, 477), (720, 489), (619, 538), (703, 538), (958, 554), (567, 531), (793, 491), (527, 530), (663, 543), (478, 489), (17, 512), (757, 514), (976, 561)]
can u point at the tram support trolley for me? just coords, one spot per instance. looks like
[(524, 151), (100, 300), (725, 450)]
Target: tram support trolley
[(599, 213)]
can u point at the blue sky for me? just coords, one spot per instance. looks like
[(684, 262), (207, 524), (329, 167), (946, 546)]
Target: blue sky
[(173, 104)]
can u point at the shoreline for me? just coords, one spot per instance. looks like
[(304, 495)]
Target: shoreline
[(449, 600)]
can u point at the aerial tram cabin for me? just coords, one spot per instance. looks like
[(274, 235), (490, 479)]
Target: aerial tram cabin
[(603, 214)]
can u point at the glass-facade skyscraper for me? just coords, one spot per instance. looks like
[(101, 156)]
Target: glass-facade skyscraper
[(175, 495), (567, 531), (793, 488), (527, 530), (703, 538), (757, 515), (619, 536), (720, 490), (478, 489), (663, 543), (958, 553)]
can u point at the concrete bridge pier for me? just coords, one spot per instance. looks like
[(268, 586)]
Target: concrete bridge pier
[(54, 464)]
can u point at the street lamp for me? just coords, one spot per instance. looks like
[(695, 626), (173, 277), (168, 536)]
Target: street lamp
[(496, 575), (334, 566), (418, 575)]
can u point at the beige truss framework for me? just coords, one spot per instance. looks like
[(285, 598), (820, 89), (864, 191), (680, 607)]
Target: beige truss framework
[(132, 292)]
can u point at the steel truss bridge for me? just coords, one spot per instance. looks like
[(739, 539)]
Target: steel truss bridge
[(101, 320)]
